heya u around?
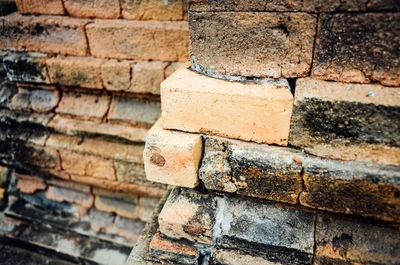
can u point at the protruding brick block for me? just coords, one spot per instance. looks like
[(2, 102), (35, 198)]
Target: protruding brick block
[(354, 241), (147, 77), (141, 40), (251, 169), (76, 71), (333, 186), (116, 75), (152, 9), (371, 55), (250, 44), (84, 105), (172, 157), (347, 121), (255, 111), (44, 7), (49, 34), (109, 9)]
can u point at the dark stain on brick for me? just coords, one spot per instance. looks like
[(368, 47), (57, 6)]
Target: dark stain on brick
[(157, 160)]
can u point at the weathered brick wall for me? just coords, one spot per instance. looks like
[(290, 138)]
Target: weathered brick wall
[(81, 92)]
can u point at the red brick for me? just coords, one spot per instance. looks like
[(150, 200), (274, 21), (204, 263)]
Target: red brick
[(152, 9), (44, 7), (63, 194), (147, 77), (84, 105), (171, 68), (116, 75), (142, 40), (76, 71), (93, 8), (29, 184), (87, 165), (50, 34)]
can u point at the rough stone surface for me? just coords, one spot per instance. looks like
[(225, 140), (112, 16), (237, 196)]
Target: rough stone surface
[(45, 7), (116, 75), (293, 5), (190, 215), (134, 111), (358, 48), (147, 207), (253, 44), (119, 203), (129, 172), (172, 157), (128, 228), (26, 67), (29, 184), (109, 9), (35, 100), (86, 106), (347, 121), (250, 169), (49, 34), (76, 71), (348, 241), (147, 77), (236, 257), (142, 40), (152, 9), (332, 185), (255, 111), (100, 220)]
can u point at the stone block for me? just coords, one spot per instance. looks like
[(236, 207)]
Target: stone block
[(61, 194), (116, 75), (48, 34), (141, 40), (358, 48), (152, 9), (109, 9), (172, 157), (134, 111), (347, 121), (257, 111), (26, 67), (35, 100), (87, 165), (44, 7), (252, 44), (251, 169), (147, 77), (147, 207), (76, 71), (353, 241), (29, 184), (100, 220), (86, 106), (190, 215), (128, 228), (122, 204), (129, 172), (332, 185), (175, 252)]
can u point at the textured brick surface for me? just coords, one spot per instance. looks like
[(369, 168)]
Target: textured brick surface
[(35, 100), (190, 102), (84, 105), (172, 157), (37, 157), (152, 9), (119, 203), (51, 34), (252, 44), (93, 8), (347, 121), (251, 169), (29, 184), (61, 194), (144, 40), (147, 77), (116, 75), (358, 48), (45, 7), (353, 241), (76, 71), (129, 172), (147, 207)]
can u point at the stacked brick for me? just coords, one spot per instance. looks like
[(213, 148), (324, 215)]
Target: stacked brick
[(283, 135), (81, 92)]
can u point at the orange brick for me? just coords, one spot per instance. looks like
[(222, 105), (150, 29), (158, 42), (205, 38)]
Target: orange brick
[(64, 194), (160, 246), (142, 40), (116, 75), (84, 105), (152, 9), (44, 7), (76, 71), (147, 77), (172, 157), (28, 184), (87, 165), (257, 112), (93, 8), (50, 34)]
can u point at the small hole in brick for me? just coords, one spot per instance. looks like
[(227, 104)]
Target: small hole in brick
[(157, 160)]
